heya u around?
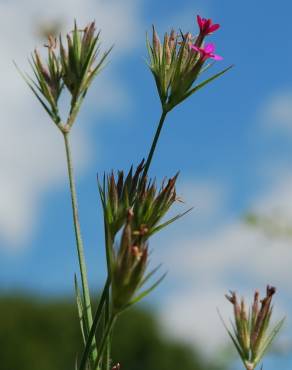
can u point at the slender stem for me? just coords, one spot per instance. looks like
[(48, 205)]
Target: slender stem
[(109, 245), (154, 143), (79, 243), (105, 337), (95, 323), (107, 356)]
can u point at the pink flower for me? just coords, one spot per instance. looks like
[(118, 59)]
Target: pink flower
[(206, 26), (206, 52)]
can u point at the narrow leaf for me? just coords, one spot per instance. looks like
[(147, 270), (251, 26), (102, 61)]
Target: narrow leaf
[(140, 296), (177, 217), (80, 308), (149, 275), (204, 83)]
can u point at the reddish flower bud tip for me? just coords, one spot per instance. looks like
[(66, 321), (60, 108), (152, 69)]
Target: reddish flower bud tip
[(116, 367)]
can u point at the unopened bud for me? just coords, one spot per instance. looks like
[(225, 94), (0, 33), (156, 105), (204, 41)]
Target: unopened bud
[(156, 43), (167, 50), (42, 68), (172, 39), (255, 306), (243, 310), (52, 42)]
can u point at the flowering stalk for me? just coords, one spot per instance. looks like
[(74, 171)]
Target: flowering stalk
[(154, 143), (176, 64), (79, 242)]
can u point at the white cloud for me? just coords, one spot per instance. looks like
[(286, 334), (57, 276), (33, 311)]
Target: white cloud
[(202, 268), (32, 155), (276, 112), (205, 197)]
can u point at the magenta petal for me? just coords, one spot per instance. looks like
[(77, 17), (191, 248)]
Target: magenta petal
[(209, 48), (216, 57), (208, 23), (199, 20), (194, 47), (214, 27)]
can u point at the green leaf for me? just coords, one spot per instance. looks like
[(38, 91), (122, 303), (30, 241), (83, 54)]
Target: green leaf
[(82, 321), (204, 83), (149, 275)]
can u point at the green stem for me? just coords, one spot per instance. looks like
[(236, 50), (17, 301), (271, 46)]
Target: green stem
[(95, 323), (105, 337), (107, 355), (154, 143), (79, 243)]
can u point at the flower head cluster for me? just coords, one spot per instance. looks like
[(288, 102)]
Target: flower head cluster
[(134, 205), (78, 60), (251, 337), (73, 66), (134, 192), (177, 62)]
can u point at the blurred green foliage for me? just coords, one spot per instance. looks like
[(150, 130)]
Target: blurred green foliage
[(44, 335)]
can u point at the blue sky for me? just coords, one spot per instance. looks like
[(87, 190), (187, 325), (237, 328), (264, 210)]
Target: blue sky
[(231, 142)]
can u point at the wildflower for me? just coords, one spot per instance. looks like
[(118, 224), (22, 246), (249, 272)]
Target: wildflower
[(206, 26), (206, 52), (250, 336)]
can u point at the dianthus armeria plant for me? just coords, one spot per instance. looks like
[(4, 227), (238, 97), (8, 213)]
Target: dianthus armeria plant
[(134, 206)]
